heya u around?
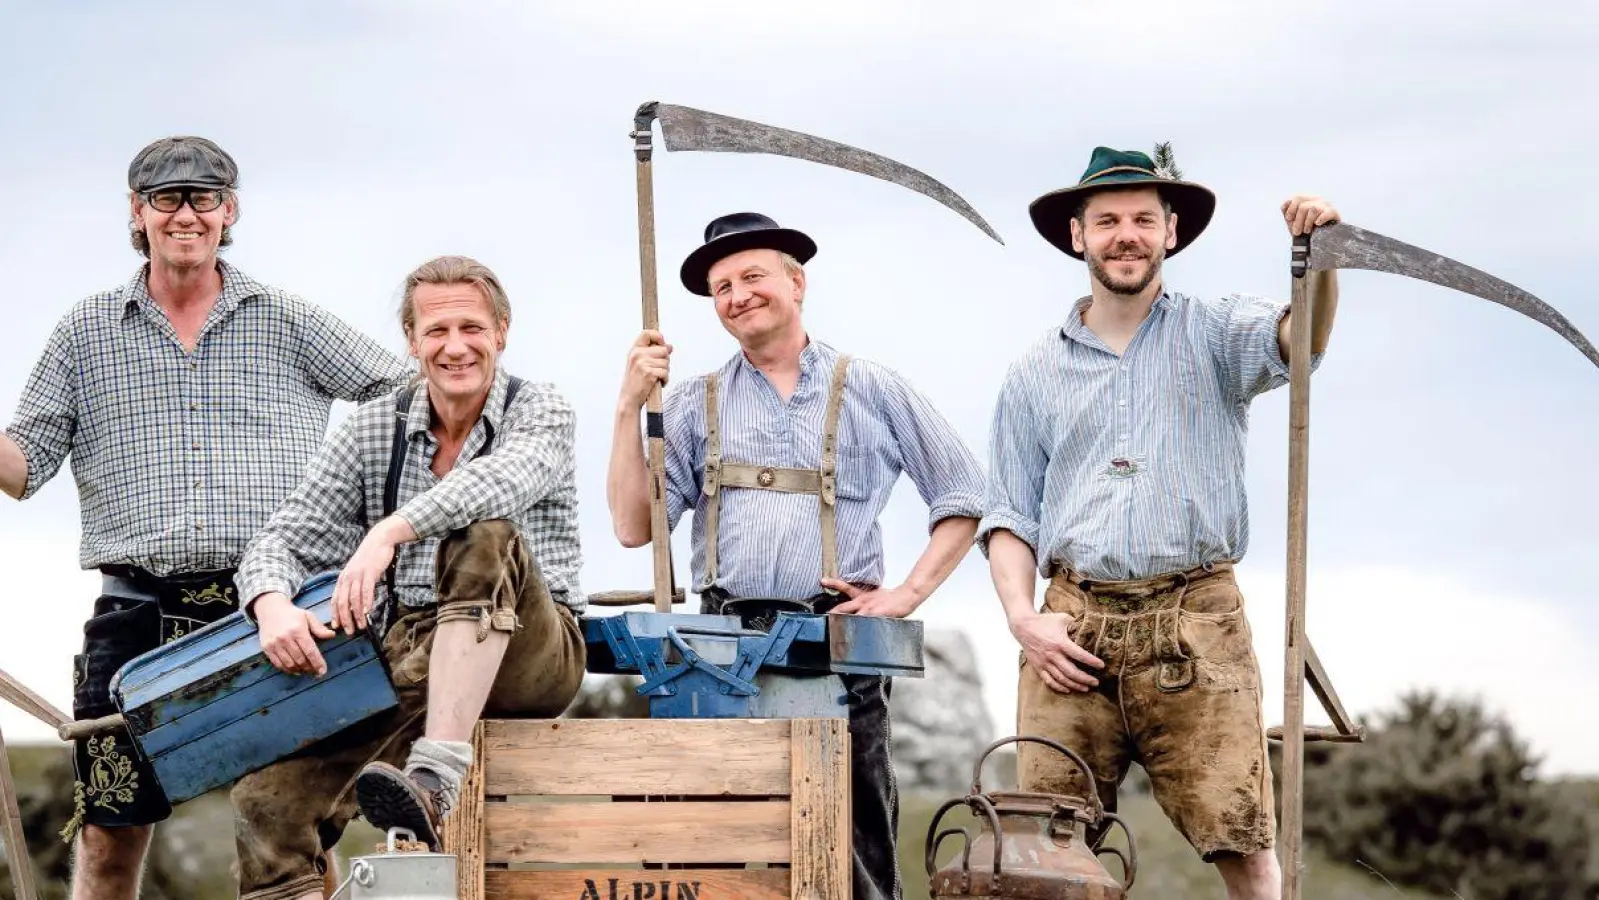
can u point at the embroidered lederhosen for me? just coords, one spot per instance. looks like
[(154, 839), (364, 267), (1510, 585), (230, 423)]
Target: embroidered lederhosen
[(135, 613), (822, 481)]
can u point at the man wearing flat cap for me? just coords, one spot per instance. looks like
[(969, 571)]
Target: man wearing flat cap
[(189, 399), (787, 455), (1117, 473)]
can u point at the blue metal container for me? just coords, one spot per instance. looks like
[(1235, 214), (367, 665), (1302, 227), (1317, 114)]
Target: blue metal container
[(208, 708)]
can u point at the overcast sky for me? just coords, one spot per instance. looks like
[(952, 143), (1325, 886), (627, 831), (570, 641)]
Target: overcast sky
[(1452, 468)]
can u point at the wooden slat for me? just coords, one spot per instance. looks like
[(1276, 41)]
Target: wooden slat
[(680, 884), (634, 833), (16, 842), (704, 757), (820, 809), (463, 828)]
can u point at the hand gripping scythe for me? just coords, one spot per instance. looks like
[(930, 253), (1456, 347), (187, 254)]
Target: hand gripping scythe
[(1332, 247), (685, 128)]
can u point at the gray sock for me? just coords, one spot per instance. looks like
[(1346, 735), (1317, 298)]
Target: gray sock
[(449, 760)]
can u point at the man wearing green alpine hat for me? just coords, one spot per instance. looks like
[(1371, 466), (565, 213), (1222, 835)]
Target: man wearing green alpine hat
[(1117, 473)]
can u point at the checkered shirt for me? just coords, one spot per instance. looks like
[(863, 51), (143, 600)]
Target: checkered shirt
[(529, 477), (180, 456)]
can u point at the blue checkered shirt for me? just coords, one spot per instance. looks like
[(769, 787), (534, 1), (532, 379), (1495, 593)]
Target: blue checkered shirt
[(1132, 466), (770, 543), (180, 456), (529, 477)]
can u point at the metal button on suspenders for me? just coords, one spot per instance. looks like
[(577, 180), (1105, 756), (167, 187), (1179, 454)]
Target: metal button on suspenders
[(821, 481)]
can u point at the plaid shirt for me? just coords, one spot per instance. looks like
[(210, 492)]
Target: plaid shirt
[(528, 478), (180, 456)]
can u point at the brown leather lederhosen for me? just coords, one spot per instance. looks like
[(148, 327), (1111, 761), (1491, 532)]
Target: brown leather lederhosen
[(822, 481)]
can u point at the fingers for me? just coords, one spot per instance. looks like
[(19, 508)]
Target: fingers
[(341, 603), (843, 587), (361, 600), (848, 606), (305, 648), (319, 630), (649, 337), (1078, 654)]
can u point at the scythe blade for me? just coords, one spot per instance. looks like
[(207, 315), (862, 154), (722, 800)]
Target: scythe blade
[(686, 128), (1344, 246)]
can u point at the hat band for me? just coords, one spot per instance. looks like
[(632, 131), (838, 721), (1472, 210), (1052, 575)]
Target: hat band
[(1114, 169)]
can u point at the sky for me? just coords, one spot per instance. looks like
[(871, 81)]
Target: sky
[(1452, 477)]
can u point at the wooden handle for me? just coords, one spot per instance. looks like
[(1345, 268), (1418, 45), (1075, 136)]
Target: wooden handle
[(1317, 733), (72, 731), (30, 702), (629, 598), (16, 843), (660, 537)]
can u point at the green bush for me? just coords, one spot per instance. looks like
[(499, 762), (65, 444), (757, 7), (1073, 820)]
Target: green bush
[(1444, 796)]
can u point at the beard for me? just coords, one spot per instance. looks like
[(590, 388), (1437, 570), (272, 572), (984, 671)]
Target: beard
[(1098, 268)]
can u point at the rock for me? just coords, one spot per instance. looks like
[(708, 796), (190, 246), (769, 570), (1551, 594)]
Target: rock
[(941, 722)]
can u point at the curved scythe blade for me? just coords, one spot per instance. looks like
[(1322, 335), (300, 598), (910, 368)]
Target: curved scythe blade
[(686, 128), (1343, 246)]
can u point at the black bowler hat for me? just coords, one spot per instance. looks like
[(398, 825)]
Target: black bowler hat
[(735, 233)]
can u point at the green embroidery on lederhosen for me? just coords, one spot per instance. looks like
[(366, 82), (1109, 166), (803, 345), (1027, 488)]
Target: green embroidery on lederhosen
[(112, 780)]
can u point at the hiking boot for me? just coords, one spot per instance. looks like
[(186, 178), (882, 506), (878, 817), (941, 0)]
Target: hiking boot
[(416, 800)]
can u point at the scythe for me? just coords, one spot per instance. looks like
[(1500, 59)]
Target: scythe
[(685, 128), (1328, 248)]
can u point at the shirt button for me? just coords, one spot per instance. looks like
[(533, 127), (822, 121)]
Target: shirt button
[(196, 445), (1121, 402), (1125, 436), (199, 526), (194, 407), (198, 483)]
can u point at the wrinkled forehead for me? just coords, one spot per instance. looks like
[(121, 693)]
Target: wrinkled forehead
[(454, 303), (727, 267), (1122, 202)]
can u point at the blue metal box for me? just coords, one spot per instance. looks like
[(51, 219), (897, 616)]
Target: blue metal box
[(208, 708)]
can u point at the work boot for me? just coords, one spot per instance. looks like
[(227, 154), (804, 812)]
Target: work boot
[(417, 800)]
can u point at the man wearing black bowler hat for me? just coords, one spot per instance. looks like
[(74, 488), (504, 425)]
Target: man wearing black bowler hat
[(787, 455), (189, 400)]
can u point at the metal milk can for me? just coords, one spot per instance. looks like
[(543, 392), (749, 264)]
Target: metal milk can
[(400, 874), (1032, 846)]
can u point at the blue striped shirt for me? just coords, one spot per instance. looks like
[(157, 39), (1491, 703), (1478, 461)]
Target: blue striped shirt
[(769, 543), (1133, 466)]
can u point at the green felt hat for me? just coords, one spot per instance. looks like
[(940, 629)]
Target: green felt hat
[(1193, 203)]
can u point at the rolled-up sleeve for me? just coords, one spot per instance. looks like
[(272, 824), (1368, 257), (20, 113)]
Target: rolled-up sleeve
[(47, 415), (944, 470), (1241, 331), (1017, 460)]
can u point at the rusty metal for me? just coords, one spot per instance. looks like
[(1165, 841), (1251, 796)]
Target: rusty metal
[(1030, 846), (686, 128), (1344, 246)]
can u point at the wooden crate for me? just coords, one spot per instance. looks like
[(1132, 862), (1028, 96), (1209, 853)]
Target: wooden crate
[(646, 809)]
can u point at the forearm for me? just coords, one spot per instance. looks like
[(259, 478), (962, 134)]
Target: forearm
[(1324, 307), (627, 482), (1013, 566), (950, 541), (13, 468)]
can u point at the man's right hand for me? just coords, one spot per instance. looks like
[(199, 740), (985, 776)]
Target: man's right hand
[(648, 362), (288, 635), (1058, 661)]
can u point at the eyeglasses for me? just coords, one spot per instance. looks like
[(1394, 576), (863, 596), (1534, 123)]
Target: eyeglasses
[(201, 200)]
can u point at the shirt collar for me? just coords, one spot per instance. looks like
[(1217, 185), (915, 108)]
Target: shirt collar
[(1074, 329), (237, 287), (420, 416), (814, 353)]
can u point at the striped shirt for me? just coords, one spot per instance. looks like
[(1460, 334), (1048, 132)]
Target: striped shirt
[(770, 543), (529, 477), (181, 455), (1132, 466)]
